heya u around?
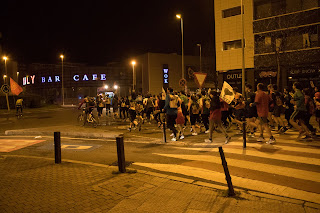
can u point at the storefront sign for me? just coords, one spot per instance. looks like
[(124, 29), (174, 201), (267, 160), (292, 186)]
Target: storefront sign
[(28, 80), (50, 79), (267, 74), (234, 76), (165, 74), (93, 77), (302, 72)]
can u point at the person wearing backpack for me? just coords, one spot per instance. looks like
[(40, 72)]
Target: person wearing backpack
[(172, 103), (205, 110), (108, 105), (194, 109)]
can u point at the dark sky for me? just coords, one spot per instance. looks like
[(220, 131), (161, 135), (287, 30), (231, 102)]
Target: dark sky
[(100, 31)]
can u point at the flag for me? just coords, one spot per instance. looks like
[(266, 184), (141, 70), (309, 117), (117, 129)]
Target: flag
[(15, 88), (227, 93)]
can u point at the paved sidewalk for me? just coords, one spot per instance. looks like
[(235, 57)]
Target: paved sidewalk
[(35, 184)]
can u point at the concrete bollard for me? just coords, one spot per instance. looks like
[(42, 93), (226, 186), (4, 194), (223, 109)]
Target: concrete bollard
[(226, 171), (57, 147), (121, 157)]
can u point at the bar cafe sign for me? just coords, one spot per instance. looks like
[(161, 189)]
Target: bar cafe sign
[(50, 79)]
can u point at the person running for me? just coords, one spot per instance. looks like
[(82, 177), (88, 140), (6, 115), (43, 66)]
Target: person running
[(262, 101), (184, 107), (149, 107), (215, 117), (205, 110), (115, 106), (123, 108), (310, 111), (278, 104), (194, 109), (90, 103), (180, 123), (251, 111), (239, 111), (317, 105), (172, 103), (287, 105), (300, 111), (271, 107)]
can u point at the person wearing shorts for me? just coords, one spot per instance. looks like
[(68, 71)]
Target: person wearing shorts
[(262, 101)]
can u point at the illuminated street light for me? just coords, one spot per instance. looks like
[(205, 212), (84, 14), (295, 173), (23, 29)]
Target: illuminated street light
[(115, 87), (106, 86), (179, 16), (5, 58), (62, 87), (133, 75)]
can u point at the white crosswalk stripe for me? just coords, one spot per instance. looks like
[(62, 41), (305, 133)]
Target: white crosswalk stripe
[(288, 159)]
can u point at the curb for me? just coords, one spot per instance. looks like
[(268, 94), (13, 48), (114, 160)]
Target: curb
[(63, 134)]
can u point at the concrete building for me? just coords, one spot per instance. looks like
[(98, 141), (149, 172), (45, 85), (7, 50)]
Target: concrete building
[(287, 35), (228, 29)]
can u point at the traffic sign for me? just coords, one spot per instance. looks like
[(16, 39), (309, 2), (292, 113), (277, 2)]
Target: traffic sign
[(182, 82), (200, 78), (5, 88)]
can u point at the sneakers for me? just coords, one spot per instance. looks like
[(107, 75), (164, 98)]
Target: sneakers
[(172, 134), (271, 140), (207, 131), (307, 137), (301, 134), (251, 135), (182, 137), (208, 140), (174, 139), (260, 139), (194, 133), (191, 130), (129, 129), (227, 139)]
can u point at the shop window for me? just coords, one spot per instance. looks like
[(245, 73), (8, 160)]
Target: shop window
[(231, 12), (230, 45)]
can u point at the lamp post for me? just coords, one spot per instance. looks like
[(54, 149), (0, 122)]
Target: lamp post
[(243, 59), (133, 75), (5, 58), (182, 51), (5, 79), (199, 45), (62, 87)]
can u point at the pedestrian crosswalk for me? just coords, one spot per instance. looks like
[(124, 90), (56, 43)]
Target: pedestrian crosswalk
[(288, 168)]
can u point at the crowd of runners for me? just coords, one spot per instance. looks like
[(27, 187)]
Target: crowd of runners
[(205, 111)]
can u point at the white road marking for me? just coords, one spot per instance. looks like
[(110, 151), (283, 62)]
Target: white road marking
[(237, 181), (296, 173)]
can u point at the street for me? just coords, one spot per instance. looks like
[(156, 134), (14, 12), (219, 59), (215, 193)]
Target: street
[(289, 168)]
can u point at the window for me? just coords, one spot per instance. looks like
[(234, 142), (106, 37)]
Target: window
[(231, 12), (230, 45), (262, 9)]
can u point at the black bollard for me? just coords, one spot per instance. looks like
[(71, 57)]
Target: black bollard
[(120, 152), (244, 134), (164, 131), (226, 171), (57, 148)]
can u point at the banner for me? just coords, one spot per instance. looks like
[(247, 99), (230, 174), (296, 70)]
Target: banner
[(15, 88), (227, 93)]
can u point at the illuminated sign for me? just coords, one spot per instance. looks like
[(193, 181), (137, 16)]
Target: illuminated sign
[(50, 79), (28, 80), (165, 70), (86, 78)]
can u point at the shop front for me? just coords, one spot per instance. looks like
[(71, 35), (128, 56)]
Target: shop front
[(308, 77)]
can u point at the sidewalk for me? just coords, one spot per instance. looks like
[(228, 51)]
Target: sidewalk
[(33, 184)]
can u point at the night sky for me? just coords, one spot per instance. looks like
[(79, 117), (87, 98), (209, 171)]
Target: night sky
[(100, 31)]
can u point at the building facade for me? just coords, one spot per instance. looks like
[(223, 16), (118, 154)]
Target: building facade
[(228, 32), (287, 34)]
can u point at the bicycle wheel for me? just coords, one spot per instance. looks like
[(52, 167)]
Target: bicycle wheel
[(80, 119)]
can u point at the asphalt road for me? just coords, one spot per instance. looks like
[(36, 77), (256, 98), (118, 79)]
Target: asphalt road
[(289, 165)]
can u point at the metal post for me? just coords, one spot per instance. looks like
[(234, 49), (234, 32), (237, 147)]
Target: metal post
[(120, 152), (244, 134), (57, 147), (62, 82), (133, 78), (182, 54), (242, 46), (226, 171), (164, 131)]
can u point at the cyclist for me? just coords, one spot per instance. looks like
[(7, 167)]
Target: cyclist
[(90, 103), (19, 103)]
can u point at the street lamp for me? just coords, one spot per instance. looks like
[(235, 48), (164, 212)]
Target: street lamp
[(115, 87), (133, 75), (106, 86), (182, 51), (242, 47), (199, 45), (5, 58), (62, 87)]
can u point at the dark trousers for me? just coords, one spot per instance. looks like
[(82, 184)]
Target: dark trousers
[(287, 115), (307, 122), (171, 121), (148, 112), (123, 112), (205, 120)]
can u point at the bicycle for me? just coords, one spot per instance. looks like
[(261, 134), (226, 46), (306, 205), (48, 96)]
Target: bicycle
[(90, 118), (19, 112)]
